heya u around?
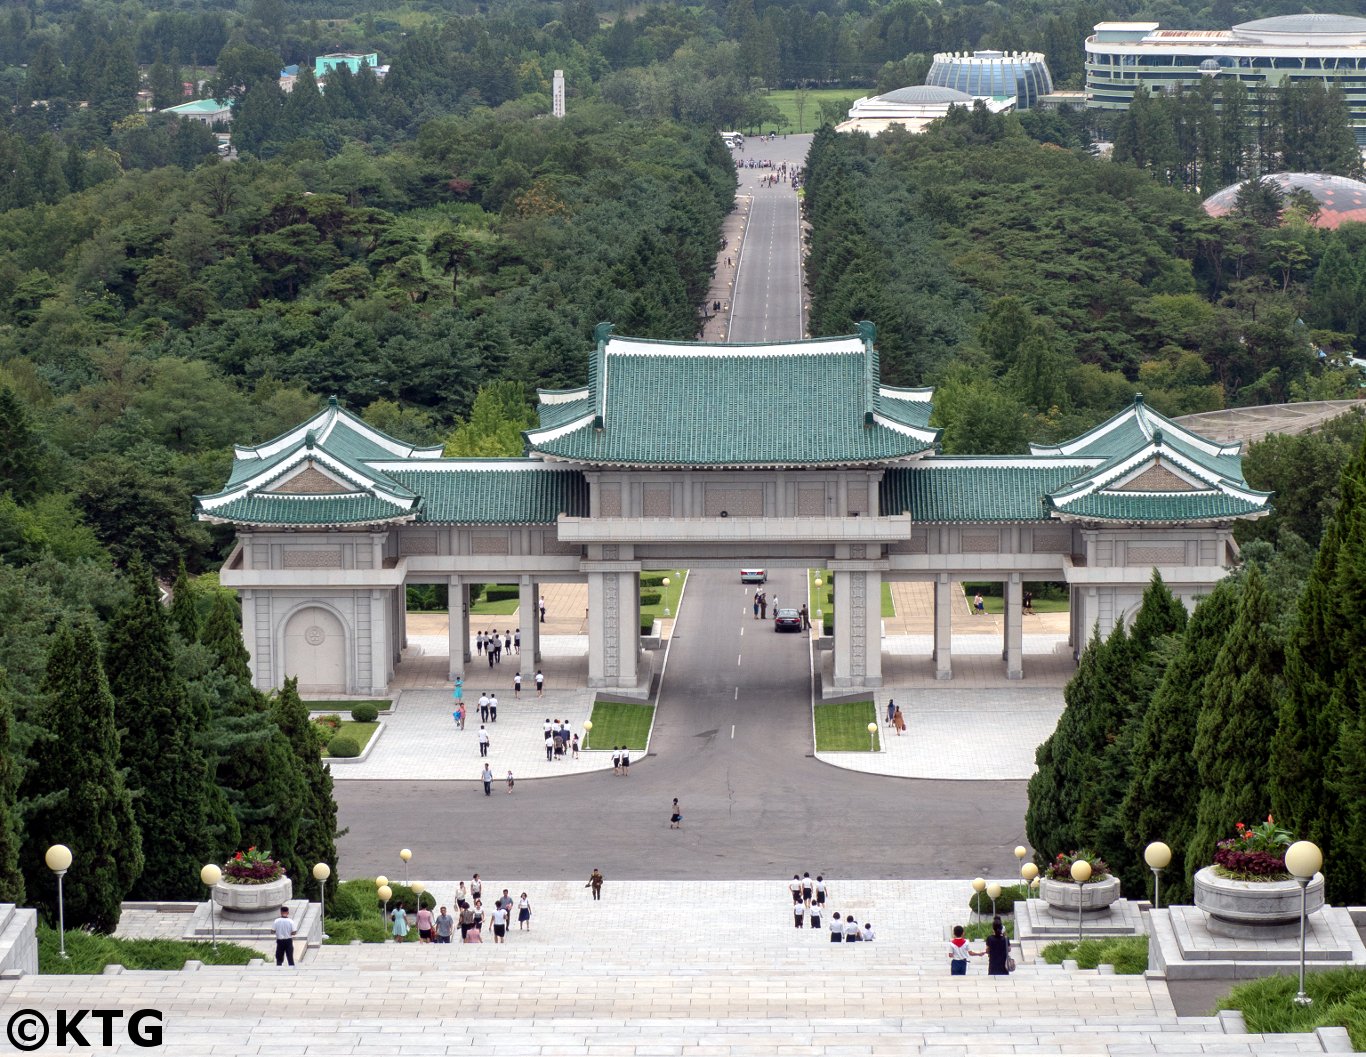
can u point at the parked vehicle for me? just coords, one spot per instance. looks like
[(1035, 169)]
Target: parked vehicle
[(787, 620), (753, 576)]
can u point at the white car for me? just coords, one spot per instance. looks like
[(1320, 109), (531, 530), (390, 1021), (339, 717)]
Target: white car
[(753, 576)]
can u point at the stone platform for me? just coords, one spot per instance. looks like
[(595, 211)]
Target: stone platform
[(1036, 920), (1184, 948)]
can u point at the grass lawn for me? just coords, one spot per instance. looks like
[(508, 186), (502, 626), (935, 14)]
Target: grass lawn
[(786, 102), (844, 728), (1339, 1001), (362, 732), (980, 930), (502, 608), (888, 607), (618, 724), (997, 604), (91, 953), (1128, 954), (672, 594), (342, 707)]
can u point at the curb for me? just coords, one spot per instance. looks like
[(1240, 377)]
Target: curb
[(365, 753)]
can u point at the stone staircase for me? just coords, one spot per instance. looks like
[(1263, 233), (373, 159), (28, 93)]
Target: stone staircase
[(661, 968)]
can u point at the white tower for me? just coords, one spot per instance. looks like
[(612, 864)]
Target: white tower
[(557, 96)]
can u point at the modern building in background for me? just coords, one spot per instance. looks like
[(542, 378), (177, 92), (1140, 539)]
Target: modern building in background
[(325, 64), (1267, 53), (1019, 76), (912, 108), (209, 111), (1339, 198)]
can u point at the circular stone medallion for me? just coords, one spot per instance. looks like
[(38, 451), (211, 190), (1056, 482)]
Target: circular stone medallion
[(315, 636)]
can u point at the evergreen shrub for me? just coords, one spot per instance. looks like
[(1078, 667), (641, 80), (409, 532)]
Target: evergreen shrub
[(980, 903), (499, 593), (651, 579), (650, 598), (343, 747), (365, 713)]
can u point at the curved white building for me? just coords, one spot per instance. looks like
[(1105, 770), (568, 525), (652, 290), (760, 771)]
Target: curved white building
[(913, 108), (1267, 53)]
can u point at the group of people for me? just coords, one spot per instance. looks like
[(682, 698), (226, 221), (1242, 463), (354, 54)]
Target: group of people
[(621, 761), (494, 643), (761, 604), (559, 741), (997, 953), (808, 900), (894, 717), (470, 917)]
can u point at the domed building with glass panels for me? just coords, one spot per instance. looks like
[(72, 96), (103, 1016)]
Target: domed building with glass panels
[(1339, 199), (1020, 77), (1266, 53)]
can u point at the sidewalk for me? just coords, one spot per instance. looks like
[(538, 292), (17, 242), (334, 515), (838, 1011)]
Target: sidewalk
[(723, 275)]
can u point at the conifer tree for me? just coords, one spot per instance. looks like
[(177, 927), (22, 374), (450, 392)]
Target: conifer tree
[(18, 448), (11, 880), (184, 615), (318, 823), (157, 727), (1159, 804), (81, 797), (1237, 721)]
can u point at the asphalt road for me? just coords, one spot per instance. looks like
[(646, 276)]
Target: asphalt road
[(767, 304), (733, 741)]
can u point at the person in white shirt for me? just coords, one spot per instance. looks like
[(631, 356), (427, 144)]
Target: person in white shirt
[(284, 929), (795, 887), (500, 923), (517, 686), (483, 741), (542, 607), (798, 909), (867, 934), (547, 728), (836, 929), (820, 891), (616, 760), (852, 933), (815, 915), (493, 708), (549, 746), (484, 706), (540, 683)]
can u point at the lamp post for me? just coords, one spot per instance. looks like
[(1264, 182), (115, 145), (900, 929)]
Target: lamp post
[(385, 893), (58, 859), (1081, 873), (321, 873), (210, 875), (1030, 873), (667, 581), (993, 890), (405, 855), (1158, 856), (820, 613), (1303, 859), (872, 737), (1020, 852), (418, 889), (978, 886), (587, 730)]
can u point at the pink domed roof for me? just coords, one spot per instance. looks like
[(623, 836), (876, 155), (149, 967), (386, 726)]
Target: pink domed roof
[(1340, 199)]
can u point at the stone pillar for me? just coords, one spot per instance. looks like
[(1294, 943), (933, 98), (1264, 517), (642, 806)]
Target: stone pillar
[(858, 628), (379, 648), (457, 627), (528, 616), (943, 626), (1014, 622)]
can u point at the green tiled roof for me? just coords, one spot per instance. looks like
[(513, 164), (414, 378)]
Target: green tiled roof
[(271, 508), (1178, 506), (683, 404), (496, 497), (990, 492)]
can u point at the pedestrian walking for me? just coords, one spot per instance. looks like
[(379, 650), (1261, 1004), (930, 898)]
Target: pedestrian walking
[(490, 655), (500, 925), (867, 934), (899, 722), (540, 682), (820, 891), (542, 609), (852, 932), (998, 951), (798, 915), (466, 922), (676, 819), (517, 686), (959, 953), (616, 760), (484, 706), (474, 934), (815, 913), (763, 606), (493, 708), (476, 889), (424, 923), (576, 746), (595, 883), (284, 928), (523, 913), (479, 643), (487, 776), (509, 781), (757, 592), (806, 618), (978, 605), (460, 899), (795, 887), (549, 747), (891, 711), (445, 925), (507, 643), (400, 920), (836, 929), (517, 641), (806, 888), (483, 741), (625, 761)]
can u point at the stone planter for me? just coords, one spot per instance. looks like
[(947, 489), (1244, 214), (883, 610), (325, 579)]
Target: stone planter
[(1254, 909), (1063, 897), (253, 902)]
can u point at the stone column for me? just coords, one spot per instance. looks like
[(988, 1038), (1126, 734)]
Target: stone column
[(535, 638), (528, 616), (1014, 622), (858, 628), (379, 648), (457, 625), (943, 626)]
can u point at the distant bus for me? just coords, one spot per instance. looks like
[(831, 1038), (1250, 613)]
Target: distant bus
[(732, 139)]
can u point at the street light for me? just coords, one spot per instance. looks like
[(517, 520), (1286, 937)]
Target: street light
[(587, 730), (418, 889), (405, 855), (1030, 873), (872, 737), (819, 612), (58, 859), (667, 581), (210, 875), (321, 873), (1081, 873), (385, 893), (1158, 857), (993, 890), (1020, 852), (381, 881), (1303, 859), (978, 886)]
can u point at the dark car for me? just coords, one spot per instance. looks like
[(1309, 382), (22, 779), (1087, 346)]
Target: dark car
[(787, 620)]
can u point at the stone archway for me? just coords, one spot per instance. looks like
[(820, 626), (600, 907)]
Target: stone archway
[(315, 651)]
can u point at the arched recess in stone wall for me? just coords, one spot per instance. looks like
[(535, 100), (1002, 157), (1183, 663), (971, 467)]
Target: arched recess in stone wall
[(315, 651)]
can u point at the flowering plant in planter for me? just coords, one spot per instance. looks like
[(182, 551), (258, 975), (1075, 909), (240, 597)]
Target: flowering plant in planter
[(1257, 853), (252, 867), (1060, 869)]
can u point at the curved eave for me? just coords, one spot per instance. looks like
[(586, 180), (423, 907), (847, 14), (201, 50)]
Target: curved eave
[(310, 526), (865, 464)]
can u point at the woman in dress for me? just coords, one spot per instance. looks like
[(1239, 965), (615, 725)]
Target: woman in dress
[(899, 722), (524, 913), (400, 917), (998, 950), (424, 925)]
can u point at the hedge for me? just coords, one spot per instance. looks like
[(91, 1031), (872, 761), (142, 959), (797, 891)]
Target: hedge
[(651, 598)]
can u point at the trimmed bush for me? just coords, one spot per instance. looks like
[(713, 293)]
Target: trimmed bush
[(1005, 902), (365, 713), (408, 898), (501, 593), (651, 579), (351, 900), (647, 628), (651, 598), (341, 931), (343, 747)]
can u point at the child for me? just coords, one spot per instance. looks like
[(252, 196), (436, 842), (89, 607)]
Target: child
[(676, 819), (815, 915), (958, 953)]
